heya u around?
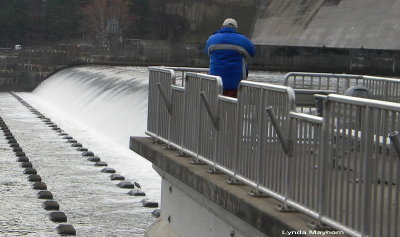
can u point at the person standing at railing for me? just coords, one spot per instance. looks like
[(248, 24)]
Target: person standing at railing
[(228, 51)]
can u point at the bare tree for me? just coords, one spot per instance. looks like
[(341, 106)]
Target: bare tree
[(99, 12)]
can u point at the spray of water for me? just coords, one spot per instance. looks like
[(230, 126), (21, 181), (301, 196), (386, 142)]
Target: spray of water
[(101, 107), (113, 100)]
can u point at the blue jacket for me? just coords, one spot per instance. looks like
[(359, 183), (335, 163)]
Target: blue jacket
[(227, 50)]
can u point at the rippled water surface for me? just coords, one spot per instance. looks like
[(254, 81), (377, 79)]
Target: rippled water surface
[(100, 107)]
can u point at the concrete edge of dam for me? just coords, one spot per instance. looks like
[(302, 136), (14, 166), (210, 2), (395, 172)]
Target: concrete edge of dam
[(244, 214)]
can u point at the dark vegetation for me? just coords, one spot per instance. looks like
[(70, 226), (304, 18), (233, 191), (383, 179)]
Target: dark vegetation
[(36, 22)]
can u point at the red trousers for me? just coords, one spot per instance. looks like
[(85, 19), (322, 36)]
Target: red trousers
[(230, 93)]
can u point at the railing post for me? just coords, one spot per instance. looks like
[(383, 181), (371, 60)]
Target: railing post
[(346, 84), (236, 141), (289, 162), (367, 168), (157, 111), (183, 130), (324, 154), (386, 91), (260, 130)]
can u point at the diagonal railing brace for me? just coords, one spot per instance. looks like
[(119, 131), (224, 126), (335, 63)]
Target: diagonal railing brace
[(395, 139), (167, 102), (285, 142), (213, 117)]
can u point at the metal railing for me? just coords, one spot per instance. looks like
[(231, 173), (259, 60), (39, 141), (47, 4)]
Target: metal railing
[(381, 88), (304, 169), (259, 154), (181, 72), (159, 108), (363, 171), (341, 169)]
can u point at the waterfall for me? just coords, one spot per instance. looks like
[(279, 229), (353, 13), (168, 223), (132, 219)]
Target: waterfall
[(101, 107), (112, 100)]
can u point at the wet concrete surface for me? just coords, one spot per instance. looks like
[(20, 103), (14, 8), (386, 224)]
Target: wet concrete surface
[(93, 204)]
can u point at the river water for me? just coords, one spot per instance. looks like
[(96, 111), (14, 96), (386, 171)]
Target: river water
[(100, 107)]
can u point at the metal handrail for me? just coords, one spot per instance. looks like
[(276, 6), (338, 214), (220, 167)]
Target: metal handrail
[(210, 130), (189, 69), (382, 88)]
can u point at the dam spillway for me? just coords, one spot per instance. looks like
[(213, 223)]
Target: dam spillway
[(93, 204)]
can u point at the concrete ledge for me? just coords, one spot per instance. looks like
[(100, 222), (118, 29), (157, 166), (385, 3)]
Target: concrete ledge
[(258, 212)]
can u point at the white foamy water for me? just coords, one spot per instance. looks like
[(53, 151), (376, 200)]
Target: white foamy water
[(101, 107)]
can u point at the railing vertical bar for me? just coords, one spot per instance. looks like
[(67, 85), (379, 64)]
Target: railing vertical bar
[(300, 164), (184, 121), (391, 225), (252, 130), (323, 165), (381, 146), (295, 135), (275, 163), (337, 206), (367, 170), (158, 112), (319, 82), (289, 158), (348, 165), (260, 128), (330, 169), (237, 134), (342, 167), (317, 166), (397, 198), (310, 165), (391, 161), (354, 193), (303, 161), (375, 185), (360, 167), (298, 161), (337, 83)]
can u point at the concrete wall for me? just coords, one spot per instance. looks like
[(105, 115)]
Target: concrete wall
[(23, 70), (187, 212), (324, 59), (368, 24)]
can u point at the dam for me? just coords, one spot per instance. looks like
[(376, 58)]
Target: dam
[(91, 107), (68, 139), (95, 106), (305, 153)]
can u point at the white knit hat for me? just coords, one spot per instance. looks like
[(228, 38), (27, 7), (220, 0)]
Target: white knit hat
[(230, 23)]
